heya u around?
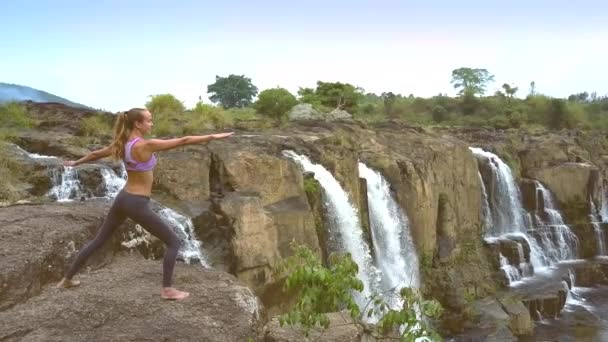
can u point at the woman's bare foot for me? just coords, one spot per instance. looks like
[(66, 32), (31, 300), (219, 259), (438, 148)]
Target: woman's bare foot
[(67, 283), (172, 294)]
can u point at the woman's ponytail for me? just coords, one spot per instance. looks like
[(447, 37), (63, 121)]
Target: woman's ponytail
[(122, 130)]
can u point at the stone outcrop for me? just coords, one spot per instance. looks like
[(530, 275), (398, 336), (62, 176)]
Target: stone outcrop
[(122, 302), (341, 329), (119, 295)]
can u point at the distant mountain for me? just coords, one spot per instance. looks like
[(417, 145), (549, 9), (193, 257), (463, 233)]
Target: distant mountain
[(15, 92)]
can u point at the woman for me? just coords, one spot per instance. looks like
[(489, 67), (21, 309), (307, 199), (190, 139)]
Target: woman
[(133, 201)]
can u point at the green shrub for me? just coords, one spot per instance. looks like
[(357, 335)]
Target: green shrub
[(320, 289), (275, 103)]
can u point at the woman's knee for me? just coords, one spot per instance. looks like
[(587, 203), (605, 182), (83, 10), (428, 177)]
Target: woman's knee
[(174, 241)]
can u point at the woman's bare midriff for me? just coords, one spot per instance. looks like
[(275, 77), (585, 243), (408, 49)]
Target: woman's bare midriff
[(139, 182)]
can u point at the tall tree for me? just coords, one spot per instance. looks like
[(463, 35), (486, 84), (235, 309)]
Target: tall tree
[(232, 91), (389, 103), (471, 81), (338, 95), (509, 91)]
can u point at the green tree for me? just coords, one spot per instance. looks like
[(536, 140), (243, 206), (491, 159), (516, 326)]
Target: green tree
[(509, 91), (338, 95), (389, 103), (275, 102), (165, 105), (471, 81), (232, 91), (532, 90), (439, 113), (558, 113), (321, 289)]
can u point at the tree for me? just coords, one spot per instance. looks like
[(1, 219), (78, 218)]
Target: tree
[(165, 105), (338, 95), (509, 91), (389, 102), (532, 91), (319, 289), (558, 113), (275, 102), (439, 113), (232, 91), (471, 81)]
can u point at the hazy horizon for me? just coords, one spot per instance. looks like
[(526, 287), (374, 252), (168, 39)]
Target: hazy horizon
[(113, 55)]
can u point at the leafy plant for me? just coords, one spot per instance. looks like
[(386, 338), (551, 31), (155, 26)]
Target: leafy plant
[(321, 289)]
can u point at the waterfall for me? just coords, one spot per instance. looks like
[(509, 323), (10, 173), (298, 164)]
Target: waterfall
[(191, 248), (511, 271), (345, 225), (503, 196), (508, 218), (558, 242), (66, 185), (393, 246), (485, 205), (113, 182), (604, 208), (595, 219)]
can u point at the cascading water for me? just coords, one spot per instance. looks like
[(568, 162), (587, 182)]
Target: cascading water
[(558, 242), (511, 271), (112, 182), (487, 214), (393, 246), (604, 207), (345, 225), (191, 248), (503, 197), (504, 200), (595, 219), (66, 185)]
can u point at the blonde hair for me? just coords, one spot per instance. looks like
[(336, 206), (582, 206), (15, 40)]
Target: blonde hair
[(123, 127)]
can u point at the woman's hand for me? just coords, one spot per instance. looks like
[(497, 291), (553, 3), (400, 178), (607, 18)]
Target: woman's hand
[(69, 163), (222, 135)]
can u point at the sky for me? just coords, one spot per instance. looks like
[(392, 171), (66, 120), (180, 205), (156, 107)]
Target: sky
[(114, 54)]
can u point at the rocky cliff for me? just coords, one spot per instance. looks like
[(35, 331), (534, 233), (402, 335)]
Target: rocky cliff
[(248, 202)]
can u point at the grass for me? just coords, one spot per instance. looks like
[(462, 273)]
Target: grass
[(94, 126)]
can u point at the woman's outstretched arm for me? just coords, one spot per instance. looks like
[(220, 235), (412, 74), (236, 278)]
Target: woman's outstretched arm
[(91, 156), (153, 145)]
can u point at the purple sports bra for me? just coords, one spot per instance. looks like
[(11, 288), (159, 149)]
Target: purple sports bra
[(132, 164)]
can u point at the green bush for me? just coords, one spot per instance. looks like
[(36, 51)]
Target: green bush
[(205, 116), (165, 106), (439, 113), (321, 289), (275, 103)]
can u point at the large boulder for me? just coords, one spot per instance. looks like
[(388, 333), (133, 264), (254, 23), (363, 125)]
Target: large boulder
[(119, 296), (304, 111), (122, 302), (38, 242)]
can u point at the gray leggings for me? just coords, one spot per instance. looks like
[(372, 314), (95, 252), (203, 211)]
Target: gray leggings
[(137, 208)]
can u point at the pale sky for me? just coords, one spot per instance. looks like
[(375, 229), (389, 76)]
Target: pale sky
[(113, 54)]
